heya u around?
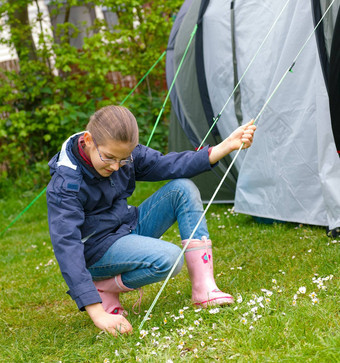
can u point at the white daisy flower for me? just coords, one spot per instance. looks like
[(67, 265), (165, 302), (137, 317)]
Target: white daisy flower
[(315, 301), (302, 290)]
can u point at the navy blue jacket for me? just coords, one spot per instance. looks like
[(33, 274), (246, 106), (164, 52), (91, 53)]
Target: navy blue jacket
[(87, 213)]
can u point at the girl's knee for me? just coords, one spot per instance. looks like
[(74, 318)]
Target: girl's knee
[(187, 187)]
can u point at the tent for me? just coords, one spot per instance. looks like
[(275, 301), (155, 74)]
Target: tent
[(292, 171)]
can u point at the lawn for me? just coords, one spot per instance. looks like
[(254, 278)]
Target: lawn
[(284, 277)]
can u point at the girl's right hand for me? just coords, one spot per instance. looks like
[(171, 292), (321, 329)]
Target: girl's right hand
[(113, 324)]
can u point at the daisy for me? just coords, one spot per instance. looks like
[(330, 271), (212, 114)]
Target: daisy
[(239, 299), (143, 333), (155, 342), (313, 295), (294, 303), (182, 332), (302, 290), (244, 321)]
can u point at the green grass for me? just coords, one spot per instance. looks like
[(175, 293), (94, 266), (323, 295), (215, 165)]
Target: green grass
[(40, 323)]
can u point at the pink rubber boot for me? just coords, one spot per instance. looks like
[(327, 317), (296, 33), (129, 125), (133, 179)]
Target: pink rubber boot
[(109, 291), (199, 260)]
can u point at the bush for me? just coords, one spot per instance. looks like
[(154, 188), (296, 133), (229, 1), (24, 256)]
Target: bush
[(41, 105)]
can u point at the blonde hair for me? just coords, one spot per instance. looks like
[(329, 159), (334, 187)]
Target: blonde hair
[(113, 123)]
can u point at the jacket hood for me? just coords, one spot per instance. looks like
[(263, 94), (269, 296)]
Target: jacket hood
[(65, 156)]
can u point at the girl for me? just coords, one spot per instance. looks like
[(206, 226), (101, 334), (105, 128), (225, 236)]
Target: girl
[(103, 245)]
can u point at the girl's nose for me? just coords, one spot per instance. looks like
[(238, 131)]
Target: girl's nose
[(115, 166)]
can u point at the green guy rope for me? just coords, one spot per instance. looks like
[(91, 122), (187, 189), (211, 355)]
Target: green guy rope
[(215, 119), (172, 84), (21, 213), (142, 79), (226, 173), (44, 190)]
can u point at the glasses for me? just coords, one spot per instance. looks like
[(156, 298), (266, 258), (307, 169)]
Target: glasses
[(112, 160)]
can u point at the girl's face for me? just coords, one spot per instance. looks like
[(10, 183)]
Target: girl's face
[(115, 151)]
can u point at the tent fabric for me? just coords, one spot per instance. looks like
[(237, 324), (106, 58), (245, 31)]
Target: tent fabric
[(321, 40), (170, 72), (334, 84), (292, 171), (208, 181), (187, 104), (297, 174)]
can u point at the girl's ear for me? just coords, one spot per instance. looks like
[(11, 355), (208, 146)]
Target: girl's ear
[(88, 138)]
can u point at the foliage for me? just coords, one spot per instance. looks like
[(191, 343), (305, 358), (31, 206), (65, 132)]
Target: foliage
[(41, 323), (57, 89)]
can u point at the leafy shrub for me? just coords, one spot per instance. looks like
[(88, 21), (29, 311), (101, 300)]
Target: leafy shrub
[(60, 86)]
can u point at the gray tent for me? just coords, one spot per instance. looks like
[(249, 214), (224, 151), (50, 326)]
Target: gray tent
[(292, 171)]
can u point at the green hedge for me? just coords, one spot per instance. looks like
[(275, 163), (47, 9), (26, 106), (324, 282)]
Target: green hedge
[(41, 105)]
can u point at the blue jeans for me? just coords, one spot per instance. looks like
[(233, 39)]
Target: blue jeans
[(141, 257)]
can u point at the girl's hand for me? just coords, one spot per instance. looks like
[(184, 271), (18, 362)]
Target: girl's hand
[(108, 322), (242, 135)]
